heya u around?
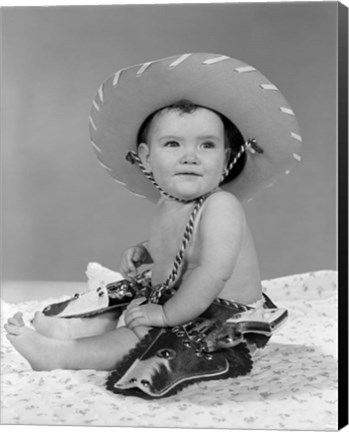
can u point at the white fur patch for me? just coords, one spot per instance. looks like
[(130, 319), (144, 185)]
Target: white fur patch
[(142, 370)]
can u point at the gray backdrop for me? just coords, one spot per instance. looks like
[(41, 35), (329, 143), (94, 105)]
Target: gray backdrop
[(62, 210)]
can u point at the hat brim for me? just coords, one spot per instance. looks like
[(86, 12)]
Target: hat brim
[(227, 85)]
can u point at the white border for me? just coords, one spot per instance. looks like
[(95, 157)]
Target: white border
[(11, 3)]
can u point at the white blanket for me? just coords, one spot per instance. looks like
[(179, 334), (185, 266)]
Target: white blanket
[(293, 384)]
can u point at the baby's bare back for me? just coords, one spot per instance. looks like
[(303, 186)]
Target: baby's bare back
[(242, 282)]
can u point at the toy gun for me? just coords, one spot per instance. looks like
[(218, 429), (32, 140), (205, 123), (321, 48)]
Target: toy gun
[(216, 345)]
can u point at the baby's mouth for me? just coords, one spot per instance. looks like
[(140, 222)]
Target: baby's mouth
[(189, 173)]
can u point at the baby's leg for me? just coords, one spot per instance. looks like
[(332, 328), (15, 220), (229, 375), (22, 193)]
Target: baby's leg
[(101, 352), (74, 328)]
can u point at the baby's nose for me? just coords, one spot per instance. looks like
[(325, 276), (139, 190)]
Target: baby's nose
[(190, 158)]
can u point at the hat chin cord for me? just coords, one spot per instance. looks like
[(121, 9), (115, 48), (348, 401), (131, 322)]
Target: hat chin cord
[(133, 157)]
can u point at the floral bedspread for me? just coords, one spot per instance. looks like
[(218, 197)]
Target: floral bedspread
[(293, 384)]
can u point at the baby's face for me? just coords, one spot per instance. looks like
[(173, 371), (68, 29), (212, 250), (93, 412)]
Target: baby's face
[(186, 152)]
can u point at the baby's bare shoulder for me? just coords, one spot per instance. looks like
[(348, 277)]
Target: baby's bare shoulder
[(223, 204), (222, 218)]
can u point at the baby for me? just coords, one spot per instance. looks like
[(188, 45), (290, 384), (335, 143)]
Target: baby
[(191, 152)]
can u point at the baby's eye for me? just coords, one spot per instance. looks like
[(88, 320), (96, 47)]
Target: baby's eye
[(208, 144), (171, 144)]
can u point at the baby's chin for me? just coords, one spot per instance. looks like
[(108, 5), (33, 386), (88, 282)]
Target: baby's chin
[(191, 196)]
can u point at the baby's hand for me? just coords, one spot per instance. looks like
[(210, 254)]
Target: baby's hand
[(149, 314), (132, 258)]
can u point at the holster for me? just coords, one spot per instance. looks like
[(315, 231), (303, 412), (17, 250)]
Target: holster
[(216, 345)]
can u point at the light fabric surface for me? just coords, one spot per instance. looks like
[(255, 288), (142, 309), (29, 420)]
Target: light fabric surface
[(293, 384)]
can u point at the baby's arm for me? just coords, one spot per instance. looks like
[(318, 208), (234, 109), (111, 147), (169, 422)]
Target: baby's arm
[(220, 237)]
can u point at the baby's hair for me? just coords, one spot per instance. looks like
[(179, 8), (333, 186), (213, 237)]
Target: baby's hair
[(233, 137)]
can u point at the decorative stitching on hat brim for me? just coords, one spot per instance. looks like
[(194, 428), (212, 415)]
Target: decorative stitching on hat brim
[(257, 168)]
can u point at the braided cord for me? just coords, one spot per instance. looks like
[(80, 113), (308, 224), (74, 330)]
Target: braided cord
[(250, 145), (159, 290), (133, 157)]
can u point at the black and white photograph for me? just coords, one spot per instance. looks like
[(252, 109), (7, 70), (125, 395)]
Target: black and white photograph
[(169, 215)]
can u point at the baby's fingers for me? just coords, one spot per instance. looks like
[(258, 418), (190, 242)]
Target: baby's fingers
[(127, 269), (136, 302), (129, 263), (134, 317), (138, 257)]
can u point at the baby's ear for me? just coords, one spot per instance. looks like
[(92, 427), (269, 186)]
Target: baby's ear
[(143, 153)]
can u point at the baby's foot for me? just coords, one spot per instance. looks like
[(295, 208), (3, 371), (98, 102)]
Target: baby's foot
[(73, 328), (52, 327), (41, 352)]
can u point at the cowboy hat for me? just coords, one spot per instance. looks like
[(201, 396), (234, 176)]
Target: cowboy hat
[(233, 88)]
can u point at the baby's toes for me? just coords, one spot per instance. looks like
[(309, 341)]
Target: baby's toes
[(10, 337), (18, 316), (16, 320), (12, 321), (12, 329)]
